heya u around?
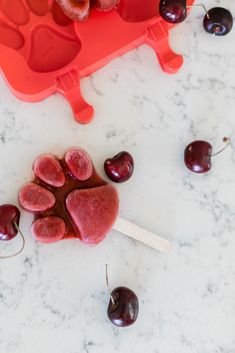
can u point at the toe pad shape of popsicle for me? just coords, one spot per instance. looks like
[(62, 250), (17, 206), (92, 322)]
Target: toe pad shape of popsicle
[(35, 198), (79, 164), (69, 199), (49, 170), (48, 229)]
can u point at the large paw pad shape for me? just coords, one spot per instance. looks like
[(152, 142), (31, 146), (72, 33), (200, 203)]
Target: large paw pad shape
[(69, 199)]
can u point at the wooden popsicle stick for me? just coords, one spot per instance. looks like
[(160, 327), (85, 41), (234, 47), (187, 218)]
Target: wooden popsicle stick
[(142, 235)]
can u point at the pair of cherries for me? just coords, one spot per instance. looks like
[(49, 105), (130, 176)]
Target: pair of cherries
[(123, 306), (197, 158), (217, 21)]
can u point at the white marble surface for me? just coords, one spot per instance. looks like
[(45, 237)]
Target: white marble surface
[(53, 298)]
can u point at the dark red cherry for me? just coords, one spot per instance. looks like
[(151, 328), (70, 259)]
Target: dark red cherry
[(119, 168), (123, 307), (218, 21), (9, 216), (197, 156), (173, 11)]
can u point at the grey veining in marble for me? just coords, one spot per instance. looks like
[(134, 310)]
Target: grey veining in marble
[(53, 298)]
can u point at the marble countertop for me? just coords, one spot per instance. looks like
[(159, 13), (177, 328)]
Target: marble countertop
[(53, 298)]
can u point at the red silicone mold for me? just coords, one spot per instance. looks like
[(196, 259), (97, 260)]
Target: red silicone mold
[(43, 52)]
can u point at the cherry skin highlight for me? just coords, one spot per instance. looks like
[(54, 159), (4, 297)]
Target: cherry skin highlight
[(124, 308), (119, 168)]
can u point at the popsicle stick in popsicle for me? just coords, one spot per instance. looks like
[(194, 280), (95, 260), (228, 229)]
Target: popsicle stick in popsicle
[(142, 235)]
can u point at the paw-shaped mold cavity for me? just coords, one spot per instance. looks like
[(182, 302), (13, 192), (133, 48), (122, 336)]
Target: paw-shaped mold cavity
[(40, 32), (69, 199)]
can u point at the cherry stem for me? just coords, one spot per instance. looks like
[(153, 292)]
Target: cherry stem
[(201, 5), (226, 139), (107, 282), (22, 246)]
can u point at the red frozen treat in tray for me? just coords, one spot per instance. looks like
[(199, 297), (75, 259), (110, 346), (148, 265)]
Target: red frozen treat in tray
[(105, 5), (44, 52), (69, 199), (78, 10)]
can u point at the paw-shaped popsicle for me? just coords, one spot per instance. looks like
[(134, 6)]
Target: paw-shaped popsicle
[(69, 199)]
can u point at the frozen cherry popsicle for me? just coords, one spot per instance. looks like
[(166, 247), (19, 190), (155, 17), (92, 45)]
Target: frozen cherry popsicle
[(70, 200), (105, 5), (78, 10)]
